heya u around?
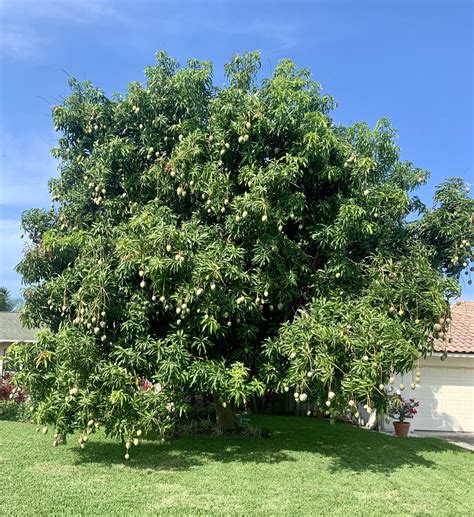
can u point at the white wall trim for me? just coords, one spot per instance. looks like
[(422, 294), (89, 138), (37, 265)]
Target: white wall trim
[(452, 354), (10, 341)]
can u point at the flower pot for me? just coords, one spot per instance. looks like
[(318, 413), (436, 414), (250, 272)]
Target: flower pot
[(401, 428)]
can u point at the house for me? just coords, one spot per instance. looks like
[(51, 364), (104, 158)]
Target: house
[(11, 331), (446, 387)]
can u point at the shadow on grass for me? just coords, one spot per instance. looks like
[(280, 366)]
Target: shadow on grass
[(347, 448)]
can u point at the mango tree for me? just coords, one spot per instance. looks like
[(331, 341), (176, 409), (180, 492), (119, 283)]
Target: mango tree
[(228, 240)]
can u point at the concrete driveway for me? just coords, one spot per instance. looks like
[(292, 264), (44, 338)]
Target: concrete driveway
[(465, 440)]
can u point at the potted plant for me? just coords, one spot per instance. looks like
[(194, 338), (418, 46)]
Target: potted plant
[(401, 409)]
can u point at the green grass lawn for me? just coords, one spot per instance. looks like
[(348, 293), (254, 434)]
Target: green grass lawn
[(306, 467)]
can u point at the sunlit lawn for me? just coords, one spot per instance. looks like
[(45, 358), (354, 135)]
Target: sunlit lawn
[(307, 466)]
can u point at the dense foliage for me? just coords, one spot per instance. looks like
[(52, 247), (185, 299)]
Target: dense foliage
[(6, 302), (229, 240), (16, 411)]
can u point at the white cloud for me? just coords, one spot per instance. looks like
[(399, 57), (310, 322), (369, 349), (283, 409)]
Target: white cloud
[(17, 42), (10, 254), (22, 34), (78, 11), (28, 27), (25, 168)]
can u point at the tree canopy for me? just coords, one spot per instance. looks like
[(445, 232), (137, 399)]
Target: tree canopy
[(229, 240), (7, 303)]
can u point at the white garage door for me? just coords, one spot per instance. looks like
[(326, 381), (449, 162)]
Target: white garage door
[(446, 396)]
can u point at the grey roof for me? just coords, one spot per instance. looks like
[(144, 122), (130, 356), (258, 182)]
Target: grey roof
[(11, 328)]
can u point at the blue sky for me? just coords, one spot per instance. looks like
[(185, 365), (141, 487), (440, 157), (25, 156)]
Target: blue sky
[(409, 60)]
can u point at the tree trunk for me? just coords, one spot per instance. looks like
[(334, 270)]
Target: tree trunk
[(225, 417)]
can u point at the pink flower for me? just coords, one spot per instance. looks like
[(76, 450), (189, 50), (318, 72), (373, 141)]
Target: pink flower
[(146, 385)]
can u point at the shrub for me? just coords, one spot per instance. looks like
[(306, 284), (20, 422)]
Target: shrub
[(8, 391), (10, 410), (401, 408)]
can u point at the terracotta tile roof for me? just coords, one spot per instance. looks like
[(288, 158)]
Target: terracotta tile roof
[(461, 330)]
